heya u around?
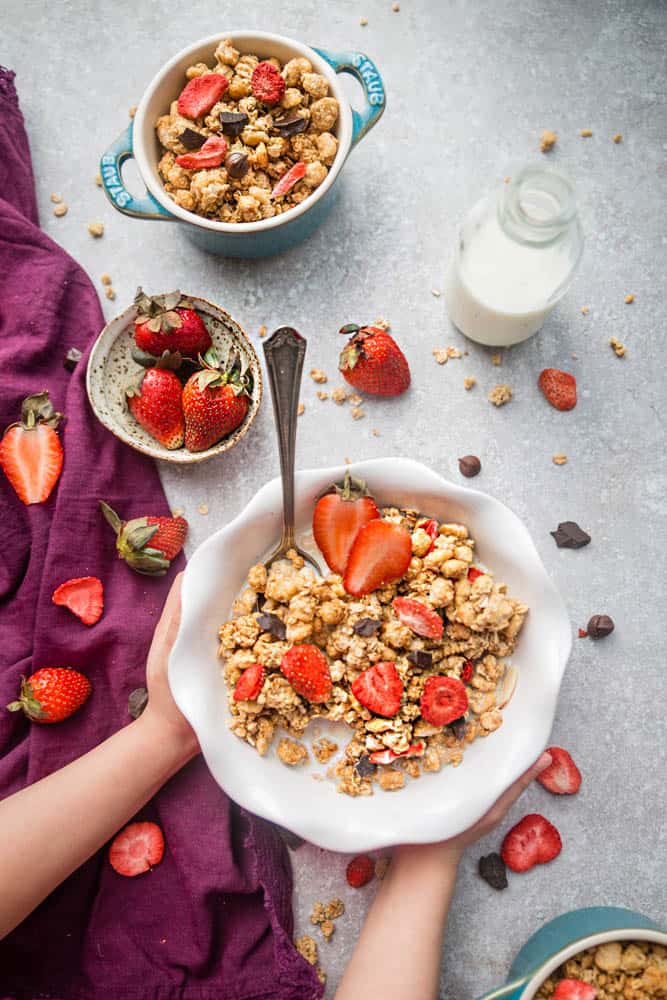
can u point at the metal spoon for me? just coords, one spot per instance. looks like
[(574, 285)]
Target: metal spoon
[(284, 352)]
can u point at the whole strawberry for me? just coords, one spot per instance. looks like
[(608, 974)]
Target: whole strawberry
[(215, 401), (373, 362), (169, 323), (147, 544), (154, 399), (51, 694)]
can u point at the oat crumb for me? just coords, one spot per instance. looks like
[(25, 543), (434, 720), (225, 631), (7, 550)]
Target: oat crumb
[(354, 399), (56, 198), (110, 293), (307, 948), (334, 909), (453, 352), (177, 512), (441, 355), (324, 749), (300, 410), (381, 867), (105, 278), (357, 413), (436, 292), (548, 140), (318, 376), (327, 927), (469, 382), (96, 229), (617, 347), (617, 138), (98, 180), (292, 752), (363, 21), (60, 209), (496, 359), (382, 323), (132, 111), (629, 299), (203, 508), (396, 7), (339, 395), (376, 432), (585, 310), (559, 458), (507, 180), (575, 357), (586, 133), (348, 461), (322, 395), (263, 331), (321, 974), (500, 394)]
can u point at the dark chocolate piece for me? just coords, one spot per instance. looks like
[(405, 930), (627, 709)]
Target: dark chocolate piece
[(237, 164), (233, 122), (365, 767), (421, 658), (492, 869), (192, 139), (570, 536), (367, 626), (470, 466), (273, 624), (137, 702), (292, 125), (599, 626)]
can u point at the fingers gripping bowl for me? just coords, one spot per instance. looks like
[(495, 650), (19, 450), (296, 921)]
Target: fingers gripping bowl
[(425, 810)]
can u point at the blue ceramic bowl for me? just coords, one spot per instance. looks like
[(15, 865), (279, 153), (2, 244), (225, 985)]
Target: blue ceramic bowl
[(565, 937), (247, 239)]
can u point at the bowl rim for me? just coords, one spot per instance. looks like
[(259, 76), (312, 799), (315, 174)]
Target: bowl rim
[(144, 161), (157, 451)]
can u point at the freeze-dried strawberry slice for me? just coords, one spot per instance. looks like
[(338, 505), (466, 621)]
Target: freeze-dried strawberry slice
[(560, 388), (444, 699), (388, 756), (466, 673), (562, 777), (249, 683), (210, 155), (266, 83), (379, 689), (575, 989), (307, 670), (532, 841), (288, 180), (473, 573), (432, 530), (420, 619), (199, 95)]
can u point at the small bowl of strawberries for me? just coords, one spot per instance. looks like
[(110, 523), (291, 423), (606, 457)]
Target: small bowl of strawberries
[(176, 377)]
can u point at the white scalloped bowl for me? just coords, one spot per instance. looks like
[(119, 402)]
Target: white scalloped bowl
[(439, 805)]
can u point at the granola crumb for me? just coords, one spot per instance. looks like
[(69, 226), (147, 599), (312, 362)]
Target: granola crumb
[(321, 974), (617, 347), (334, 909), (60, 209), (436, 292), (617, 138), (453, 352), (292, 752), (629, 299), (318, 376), (441, 355), (322, 395), (496, 359), (381, 867), (262, 331), (354, 399), (339, 395), (376, 432), (55, 198), (507, 180), (348, 461), (300, 410), (96, 229), (357, 413), (203, 508), (177, 512), (110, 293), (307, 948), (469, 382), (559, 458), (98, 180), (132, 111), (396, 7), (548, 140), (585, 310), (363, 21), (382, 323), (105, 278), (327, 928), (324, 750), (586, 133), (575, 357), (500, 394)]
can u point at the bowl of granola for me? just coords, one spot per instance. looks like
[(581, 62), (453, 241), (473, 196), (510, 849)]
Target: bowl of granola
[(303, 687), (241, 137)]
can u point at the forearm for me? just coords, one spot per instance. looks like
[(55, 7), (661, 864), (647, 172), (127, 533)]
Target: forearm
[(399, 949), (50, 828)]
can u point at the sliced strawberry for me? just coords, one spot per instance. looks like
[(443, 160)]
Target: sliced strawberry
[(288, 180), (533, 841), (83, 596), (249, 683), (381, 554), (444, 699), (337, 518), (562, 777), (379, 689), (307, 670), (467, 672), (574, 989), (31, 454), (473, 573), (200, 94), (211, 154), (137, 849), (360, 871), (389, 756), (422, 620), (267, 83)]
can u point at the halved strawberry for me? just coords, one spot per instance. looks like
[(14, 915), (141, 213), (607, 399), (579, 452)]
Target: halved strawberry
[(381, 553), (389, 756), (422, 620), (379, 689), (337, 518), (200, 94), (574, 989), (307, 670), (31, 454), (532, 841), (249, 683), (443, 700), (83, 596), (137, 849), (562, 777)]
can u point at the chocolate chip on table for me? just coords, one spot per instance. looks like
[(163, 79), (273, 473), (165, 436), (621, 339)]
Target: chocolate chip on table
[(367, 626), (570, 536), (470, 466), (492, 869), (365, 767), (233, 122), (137, 702), (72, 358), (191, 139), (292, 125), (421, 658), (599, 626), (237, 164), (458, 727), (273, 624)]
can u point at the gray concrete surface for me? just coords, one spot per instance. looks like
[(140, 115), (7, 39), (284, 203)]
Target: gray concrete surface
[(470, 87)]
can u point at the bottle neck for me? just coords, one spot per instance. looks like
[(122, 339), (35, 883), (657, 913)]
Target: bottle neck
[(537, 206)]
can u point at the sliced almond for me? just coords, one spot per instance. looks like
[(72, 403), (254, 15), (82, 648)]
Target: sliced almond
[(508, 686)]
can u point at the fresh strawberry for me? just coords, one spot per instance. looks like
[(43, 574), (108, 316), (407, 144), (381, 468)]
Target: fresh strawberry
[(473, 573), (560, 388), (200, 94), (169, 323), (147, 544), (289, 179), (379, 689), (582, 633), (360, 871), (574, 989), (154, 400), (420, 619), (267, 83), (84, 597), (215, 401), (533, 841), (443, 700), (136, 849), (467, 672), (52, 694), (337, 519), (562, 777), (381, 553), (31, 454), (307, 670), (211, 154), (389, 756), (249, 683), (373, 362)]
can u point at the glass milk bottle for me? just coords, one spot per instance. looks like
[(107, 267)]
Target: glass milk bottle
[(516, 256)]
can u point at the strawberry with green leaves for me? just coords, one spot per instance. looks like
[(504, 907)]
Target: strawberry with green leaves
[(155, 398), (51, 694), (373, 362), (169, 323), (147, 544), (31, 454), (337, 518), (215, 399)]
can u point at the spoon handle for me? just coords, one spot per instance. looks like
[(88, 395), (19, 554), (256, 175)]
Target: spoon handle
[(284, 352)]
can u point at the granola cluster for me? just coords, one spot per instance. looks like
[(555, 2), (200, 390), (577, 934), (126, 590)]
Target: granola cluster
[(619, 971), (481, 625), (266, 142)]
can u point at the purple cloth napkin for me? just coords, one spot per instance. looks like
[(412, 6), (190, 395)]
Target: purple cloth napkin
[(214, 919)]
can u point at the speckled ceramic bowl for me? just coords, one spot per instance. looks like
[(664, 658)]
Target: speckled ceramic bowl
[(111, 368)]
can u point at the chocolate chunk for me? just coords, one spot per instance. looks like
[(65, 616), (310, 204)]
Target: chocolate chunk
[(233, 122), (192, 139), (137, 702), (570, 536), (599, 626), (367, 626), (237, 164), (492, 869), (293, 840), (458, 727), (72, 358), (272, 623), (365, 767), (470, 466), (292, 125), (421, 658)]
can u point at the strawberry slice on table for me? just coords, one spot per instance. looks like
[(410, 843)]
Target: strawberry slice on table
[(379, 689), (381, 553), (136, 849), (420, 619), (337, 518), (360, 871), (443, 700), (532, 841), (147, 544), (373, 362), (200, 94), (249, 683), (562, 777), (154, 400), (83, 596), (574, 989), (215, 400), (211, 154), (560, 388), (307, 670), (289, 179), (51, 694), (31, 454), (171, 323)]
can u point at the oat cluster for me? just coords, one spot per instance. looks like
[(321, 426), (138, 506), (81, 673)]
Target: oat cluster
[(619, 970)]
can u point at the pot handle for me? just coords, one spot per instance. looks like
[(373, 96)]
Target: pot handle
[(510, 991), (112, 181), (366, 72)]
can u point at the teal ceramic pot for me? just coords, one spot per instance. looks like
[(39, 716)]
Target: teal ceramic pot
[(248, 239), (565, 937)]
